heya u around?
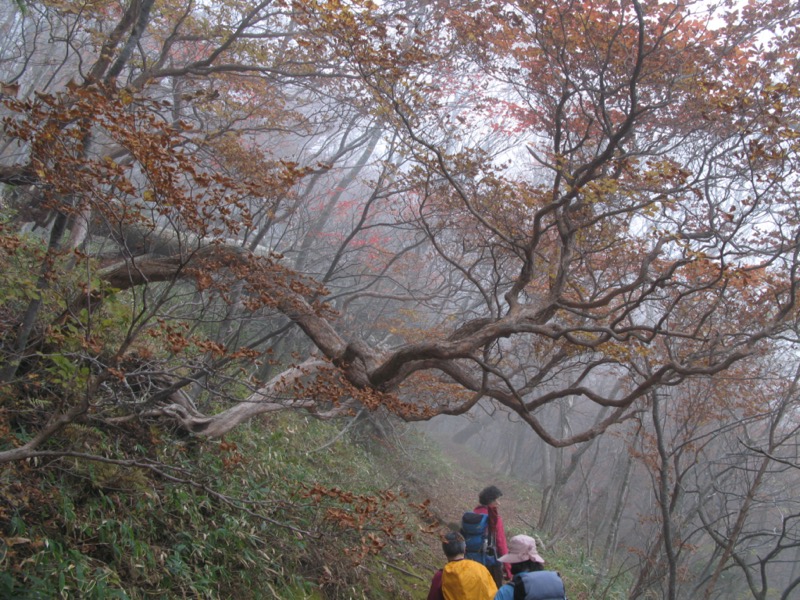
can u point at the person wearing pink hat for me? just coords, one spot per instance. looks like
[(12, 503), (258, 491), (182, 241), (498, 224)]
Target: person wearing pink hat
[(530, 579)]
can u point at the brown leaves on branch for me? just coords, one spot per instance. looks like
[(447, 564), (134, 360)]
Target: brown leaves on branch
[(374, 518)]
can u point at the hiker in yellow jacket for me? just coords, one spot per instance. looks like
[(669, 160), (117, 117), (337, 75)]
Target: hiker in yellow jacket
[(461, 578)]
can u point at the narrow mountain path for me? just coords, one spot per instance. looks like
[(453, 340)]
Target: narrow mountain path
[(457, 491), (470, 475)]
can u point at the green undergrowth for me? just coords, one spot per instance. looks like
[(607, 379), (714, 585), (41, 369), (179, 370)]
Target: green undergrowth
[(285, 508), (288, 507)]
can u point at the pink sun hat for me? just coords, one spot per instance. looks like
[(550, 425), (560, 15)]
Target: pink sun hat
[(520, 549)]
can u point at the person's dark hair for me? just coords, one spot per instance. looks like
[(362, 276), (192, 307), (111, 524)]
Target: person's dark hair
[(453, 544), (489, 495), (528, 566)]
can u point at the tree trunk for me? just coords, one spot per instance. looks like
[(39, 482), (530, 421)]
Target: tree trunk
[(42, 283)]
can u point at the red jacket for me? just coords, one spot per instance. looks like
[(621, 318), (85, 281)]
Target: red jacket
[(435, 593), (500, 532)]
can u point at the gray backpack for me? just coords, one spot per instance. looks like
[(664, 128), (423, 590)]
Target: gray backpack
[(539, 585)]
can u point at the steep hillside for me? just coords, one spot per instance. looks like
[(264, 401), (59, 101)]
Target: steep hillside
[(289, 508)]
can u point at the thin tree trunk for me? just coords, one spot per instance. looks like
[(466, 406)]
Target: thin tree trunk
[(612, 535), (29, 320), (664, 503)]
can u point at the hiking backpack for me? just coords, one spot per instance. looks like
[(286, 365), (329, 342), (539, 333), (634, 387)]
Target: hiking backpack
[(480, 542), (539, 585)]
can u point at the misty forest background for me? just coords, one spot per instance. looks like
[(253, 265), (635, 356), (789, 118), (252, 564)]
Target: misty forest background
[(285, 283)]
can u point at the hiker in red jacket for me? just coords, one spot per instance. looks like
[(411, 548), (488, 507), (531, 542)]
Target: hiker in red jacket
[(487, 500)]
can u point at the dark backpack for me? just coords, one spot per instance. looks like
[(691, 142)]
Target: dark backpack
[(480, 542), (539, 585)]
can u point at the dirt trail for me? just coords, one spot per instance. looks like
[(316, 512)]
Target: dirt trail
[(472, 473)]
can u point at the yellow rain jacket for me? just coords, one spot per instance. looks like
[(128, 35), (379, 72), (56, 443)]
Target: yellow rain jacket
[(467, 580)]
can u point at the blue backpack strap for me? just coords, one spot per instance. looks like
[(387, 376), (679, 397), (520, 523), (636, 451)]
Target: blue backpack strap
[(519, 587)]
